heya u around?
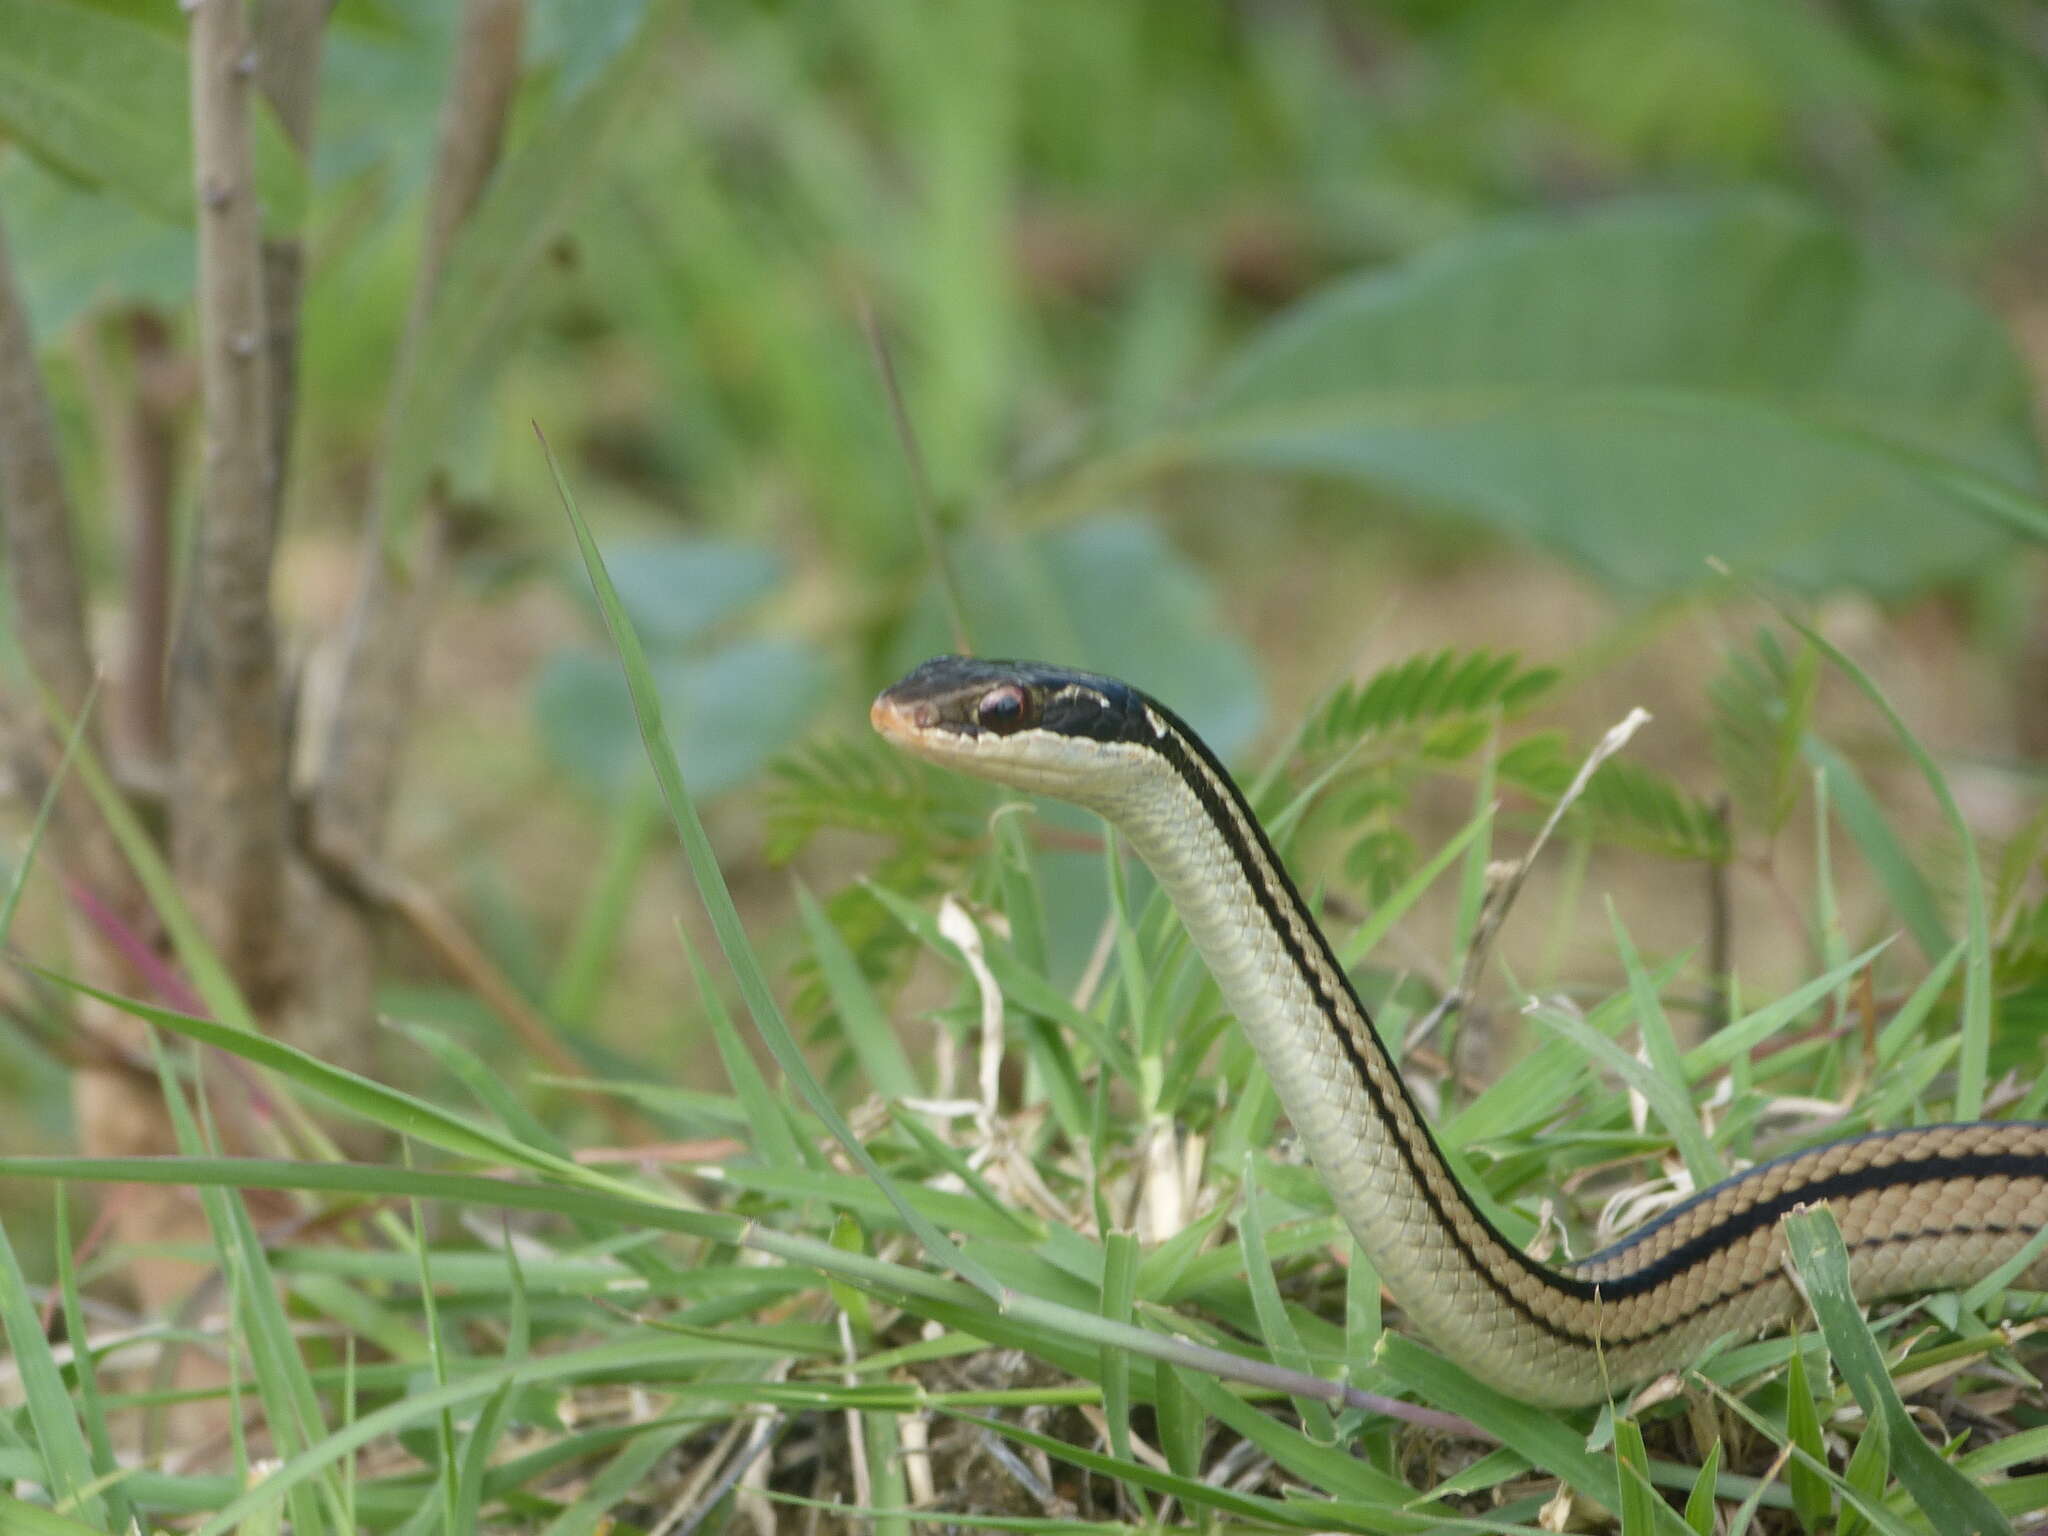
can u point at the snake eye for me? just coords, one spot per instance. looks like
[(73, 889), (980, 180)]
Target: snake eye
[(1002, 710)]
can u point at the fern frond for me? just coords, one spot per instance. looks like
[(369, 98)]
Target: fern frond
[(1624, 801), (862, 785), (1762, 708), (1449, 689)]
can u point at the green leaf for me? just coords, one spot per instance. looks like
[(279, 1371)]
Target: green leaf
[(75, 248), (1699, 1504), (1811, 1499), (735, 708), (1911, 896), (1639, 1501), (862, 1019), (1424, 689), (487, 287), (1282, 1340), (25, 1519), (1674, 1106), (356, 1095), (1119, 1289), (135, 139), (1542, 1436), (1112, 595), (677, 589), (1654, 384), (1973, 1064), (1952, 1502), (717, 897), (1762, 705), (67, 1463)]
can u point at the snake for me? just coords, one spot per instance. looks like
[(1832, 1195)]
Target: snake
[(1921, 1209)]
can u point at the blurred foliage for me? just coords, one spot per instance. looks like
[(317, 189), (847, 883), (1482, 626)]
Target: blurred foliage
[(1657, 385), (1069, 218), (758, 693)]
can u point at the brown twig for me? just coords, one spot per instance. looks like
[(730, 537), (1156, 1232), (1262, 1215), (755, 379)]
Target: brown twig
[(228, 833), (1504, 883), (42, 572), (1720, 928), (288, 38), (466, 961), (359, 765), (147, 451), (119, 1111)]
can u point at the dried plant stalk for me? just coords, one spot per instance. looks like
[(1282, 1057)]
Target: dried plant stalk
[(228, 831)]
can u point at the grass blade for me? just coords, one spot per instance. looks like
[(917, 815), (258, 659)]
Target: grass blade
[(1954, 1504), (1659, 1044), (861, 1018), (1811, 1499), (1972, 1069), (59, 1439), (717, 898)]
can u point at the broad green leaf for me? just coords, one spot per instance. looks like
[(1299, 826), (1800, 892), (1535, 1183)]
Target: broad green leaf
[(677, 589), (1112, 595), (1652, 385), (76, 249), (103, 98), (734, 709)]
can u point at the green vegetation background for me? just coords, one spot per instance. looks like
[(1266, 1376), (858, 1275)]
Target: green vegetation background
[(1249, 349)]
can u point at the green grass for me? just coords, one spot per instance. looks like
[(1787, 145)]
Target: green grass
[(485, 1333)]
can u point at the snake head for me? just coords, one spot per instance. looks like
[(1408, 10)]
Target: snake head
[(1023, 723)]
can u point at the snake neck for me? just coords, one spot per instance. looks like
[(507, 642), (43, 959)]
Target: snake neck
[(1431, 1246)]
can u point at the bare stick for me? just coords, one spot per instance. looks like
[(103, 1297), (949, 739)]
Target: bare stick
[(470, 135), (1504, 882), (49, 615), (288, 36), (144, 437), (359, 766), (228, 836), (42, 570), (1720, 928), (466, 961), (118, 1110)]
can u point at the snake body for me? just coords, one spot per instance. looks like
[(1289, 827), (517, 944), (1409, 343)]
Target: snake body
[(1930, 1208)]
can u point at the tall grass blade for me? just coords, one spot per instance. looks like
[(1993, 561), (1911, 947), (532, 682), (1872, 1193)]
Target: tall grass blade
[(1954, 1504), (1972, 1068), (59, 1440), (725, 918)]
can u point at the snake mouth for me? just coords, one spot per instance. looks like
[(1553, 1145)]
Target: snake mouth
[(899, 721)]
